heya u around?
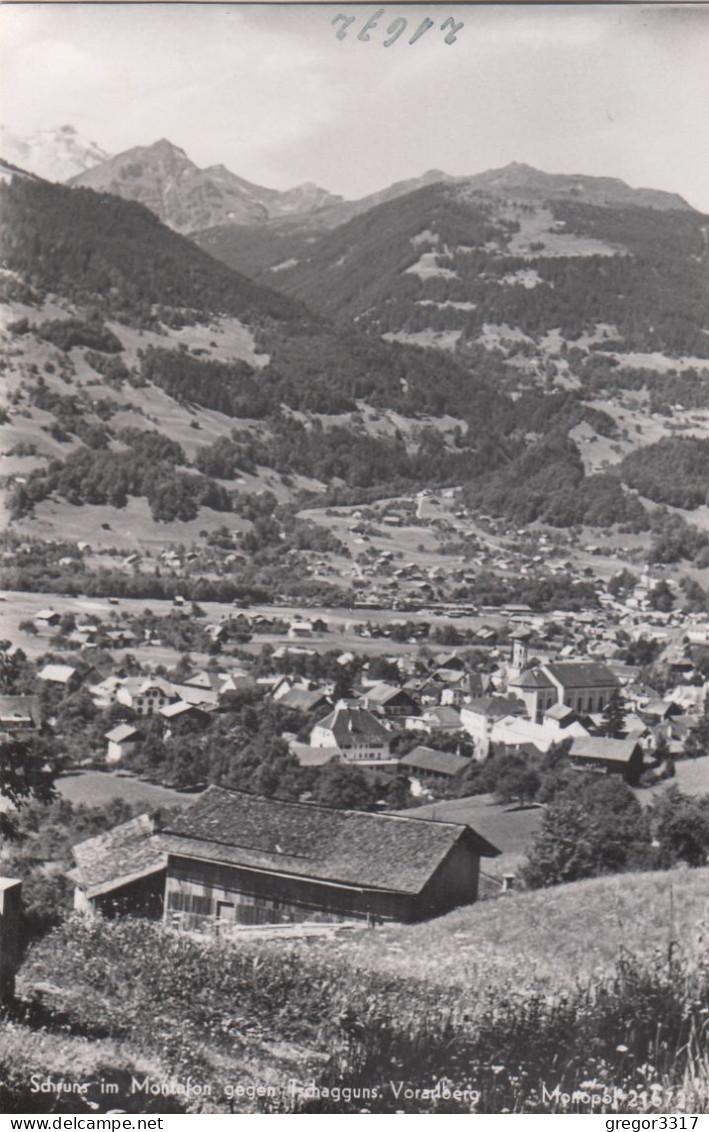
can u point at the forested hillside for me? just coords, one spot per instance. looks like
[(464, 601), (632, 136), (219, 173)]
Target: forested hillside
[(445, 259), (674, 471)]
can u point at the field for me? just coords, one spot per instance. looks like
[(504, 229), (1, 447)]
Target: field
[(21, 606), (602, 980), (511, 829), (553, 938), (97, 788), (691, 777)]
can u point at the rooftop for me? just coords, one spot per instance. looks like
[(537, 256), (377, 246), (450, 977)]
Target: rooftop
[(123, 854), (612, 750), (426, 759), (353, 725), (583, 674), (531, 678), (342, 846)]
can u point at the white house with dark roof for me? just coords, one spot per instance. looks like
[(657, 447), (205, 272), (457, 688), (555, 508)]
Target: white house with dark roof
[(354, 731), (480, 715), (145, 695), (122, 740)]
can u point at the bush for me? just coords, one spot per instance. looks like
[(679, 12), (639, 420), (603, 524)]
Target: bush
[(69, 332)]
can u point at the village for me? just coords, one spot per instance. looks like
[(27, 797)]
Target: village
[(392, 712)]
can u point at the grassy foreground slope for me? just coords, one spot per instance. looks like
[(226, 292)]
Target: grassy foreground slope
[(601, 981), (551, 938)]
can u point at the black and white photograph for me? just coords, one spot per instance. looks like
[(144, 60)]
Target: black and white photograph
[(354, 561)]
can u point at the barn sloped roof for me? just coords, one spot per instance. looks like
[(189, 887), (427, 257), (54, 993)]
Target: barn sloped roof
[(340, 846), (125, 853), (382, 694), (304, 699), (438, 762), (607, 750)]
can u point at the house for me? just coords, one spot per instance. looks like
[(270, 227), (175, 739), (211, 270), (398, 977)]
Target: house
[(426, 763), (200, 697), (442, 719), (479, 716), (121, 871), (122, 740), (62, 674), (144, 695), (514, 731), (315, 756), (19, 714), (119, 638), (657, 711), (449, 664), (238, 859), (47, 617), (179, 711), (207, 681), (390, 701), (306, 699), (299, 629), (560, 717), (281, 685), (354, 731), (608, 756)]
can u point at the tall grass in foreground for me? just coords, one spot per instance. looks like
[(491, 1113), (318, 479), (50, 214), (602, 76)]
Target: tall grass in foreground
[(633, 1041), (637, 1041)]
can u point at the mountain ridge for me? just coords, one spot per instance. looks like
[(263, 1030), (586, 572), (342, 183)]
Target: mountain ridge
[(186, 198)]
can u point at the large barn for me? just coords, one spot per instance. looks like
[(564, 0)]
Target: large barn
[(241, 859)]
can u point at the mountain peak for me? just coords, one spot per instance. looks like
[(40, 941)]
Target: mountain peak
[(56, 154), (165, 144), (163, 178)]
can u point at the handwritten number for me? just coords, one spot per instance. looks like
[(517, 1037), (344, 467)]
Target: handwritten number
[(371, 23), (423, 27), (450, 22), (394, 30), (346, 21)]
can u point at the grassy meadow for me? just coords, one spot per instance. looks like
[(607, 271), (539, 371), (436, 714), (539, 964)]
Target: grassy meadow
[(590, 997)]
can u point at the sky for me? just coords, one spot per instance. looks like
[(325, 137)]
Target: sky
[(272, 93)]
